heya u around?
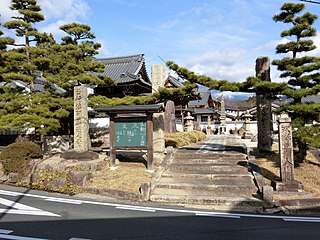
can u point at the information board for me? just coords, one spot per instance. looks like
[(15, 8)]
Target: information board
[(131, 134)]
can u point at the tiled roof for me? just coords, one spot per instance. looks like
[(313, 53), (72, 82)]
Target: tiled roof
[(125, 70), (40, 83), (204, 99), (175, 82)]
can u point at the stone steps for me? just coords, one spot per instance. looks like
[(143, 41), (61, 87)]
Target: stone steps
[(227, 161), (220, 178), (189, 154), (240, 190), (207, 168), (201, 198)]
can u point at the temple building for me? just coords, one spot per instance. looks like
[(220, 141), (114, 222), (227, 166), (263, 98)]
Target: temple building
[(130, 75)]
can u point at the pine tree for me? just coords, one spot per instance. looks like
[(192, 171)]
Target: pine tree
[(20, 108), (302, 73), (72, 60)]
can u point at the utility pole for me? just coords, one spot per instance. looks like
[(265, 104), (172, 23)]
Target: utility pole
[(311, 1)]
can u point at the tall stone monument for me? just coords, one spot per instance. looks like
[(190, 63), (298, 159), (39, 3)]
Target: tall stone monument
[(263, 102), (81, 123), (223, 116), (158, 80), (158, 76), (286, 156)]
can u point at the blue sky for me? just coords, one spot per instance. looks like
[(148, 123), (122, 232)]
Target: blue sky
[(218, 38)]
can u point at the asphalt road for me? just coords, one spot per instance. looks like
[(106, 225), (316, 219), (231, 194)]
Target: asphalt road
[(32, 215)]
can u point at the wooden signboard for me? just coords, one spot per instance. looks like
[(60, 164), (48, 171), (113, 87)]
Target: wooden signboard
[(131, 134)]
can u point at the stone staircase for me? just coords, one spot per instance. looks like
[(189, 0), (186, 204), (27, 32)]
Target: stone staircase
[(209, 173)]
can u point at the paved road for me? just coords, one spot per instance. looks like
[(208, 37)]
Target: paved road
[(31, 215)]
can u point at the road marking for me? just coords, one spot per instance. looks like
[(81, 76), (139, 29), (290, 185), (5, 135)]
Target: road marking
[(136, 208), (62, 200), (4, 236), (4, 231), (154, 209), (18, 208), (315, 220), (217, 215)]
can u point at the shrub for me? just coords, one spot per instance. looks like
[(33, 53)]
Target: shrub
[(180, 139), (16, 156)]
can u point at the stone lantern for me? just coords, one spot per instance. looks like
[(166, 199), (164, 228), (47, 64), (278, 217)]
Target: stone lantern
[(247, 122), (188, 122)]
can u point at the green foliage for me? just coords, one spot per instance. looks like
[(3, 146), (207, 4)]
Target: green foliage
[(180, 139), (16, 157), (302, 74)]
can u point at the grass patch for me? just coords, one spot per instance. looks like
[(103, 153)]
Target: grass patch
[(181, 139), (308, 172)]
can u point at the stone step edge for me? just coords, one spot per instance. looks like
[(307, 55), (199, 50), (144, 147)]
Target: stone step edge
[(213, 186), (182, 199), (206, 175)]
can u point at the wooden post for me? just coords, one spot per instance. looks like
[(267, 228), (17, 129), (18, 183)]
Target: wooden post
[(150, 164), (112, 142)]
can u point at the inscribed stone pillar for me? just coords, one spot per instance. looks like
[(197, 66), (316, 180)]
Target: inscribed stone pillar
[(169, 118), (158, 76), (263, 102), (286, 156), (223, 125), (285, 148), (81, 124)]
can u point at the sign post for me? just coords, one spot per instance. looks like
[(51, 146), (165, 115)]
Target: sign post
[(131, 128)]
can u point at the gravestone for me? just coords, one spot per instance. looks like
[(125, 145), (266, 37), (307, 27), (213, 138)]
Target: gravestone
[(81, 123), (286, 156), (263, 102), (169, 118)]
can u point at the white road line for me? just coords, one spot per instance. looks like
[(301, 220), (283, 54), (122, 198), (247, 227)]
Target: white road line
[(315, 220), (18, 208), (63, 200), (4, 231), (135, 208), (217, 215), (3, 236)]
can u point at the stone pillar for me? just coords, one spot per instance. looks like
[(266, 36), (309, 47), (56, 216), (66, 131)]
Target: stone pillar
[(286, 156), (81, 123), (223, 125), (158, 77), (189, 122), (169, 118), (208, 130), (263, 102), (158, 137)]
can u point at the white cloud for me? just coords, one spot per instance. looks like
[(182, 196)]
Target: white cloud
[(6, 12), (68, 10), (227, 64)]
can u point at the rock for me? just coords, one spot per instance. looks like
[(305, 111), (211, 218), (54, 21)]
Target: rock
[(57, 183), (13, 177), (35, 178), (78, 178)]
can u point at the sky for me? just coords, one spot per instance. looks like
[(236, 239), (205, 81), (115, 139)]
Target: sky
[(218, 38)]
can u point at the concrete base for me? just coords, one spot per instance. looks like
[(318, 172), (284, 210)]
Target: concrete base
[(294, 186)]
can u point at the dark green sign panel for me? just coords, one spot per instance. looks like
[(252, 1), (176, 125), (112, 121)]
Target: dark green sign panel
[(130, 134)]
